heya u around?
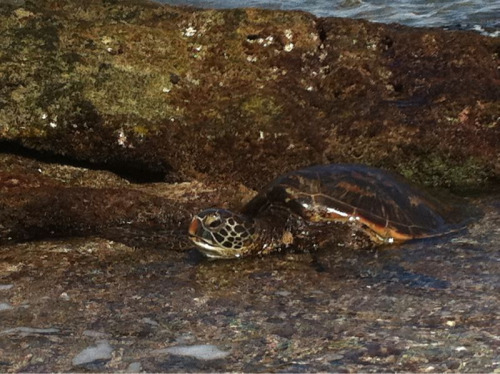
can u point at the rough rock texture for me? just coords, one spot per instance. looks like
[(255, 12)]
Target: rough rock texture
[(430, 306), (40, 200), (127, 293), (246, 94), (102, 102)]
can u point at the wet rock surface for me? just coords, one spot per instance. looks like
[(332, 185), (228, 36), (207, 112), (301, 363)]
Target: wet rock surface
[(427, 306), (40, 200), (113, 285), (119, 292)]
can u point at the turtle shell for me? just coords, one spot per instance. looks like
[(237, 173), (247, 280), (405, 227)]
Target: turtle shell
[(383, 204)]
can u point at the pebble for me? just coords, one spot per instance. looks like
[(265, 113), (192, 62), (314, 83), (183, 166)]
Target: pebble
[(5, 306), (150, 321), (134, 367), (101, 351), (334, 357), (65, 296), (95, 334), (201, 352), (185, 339), (25, 331), (283, 293), (5, 287)]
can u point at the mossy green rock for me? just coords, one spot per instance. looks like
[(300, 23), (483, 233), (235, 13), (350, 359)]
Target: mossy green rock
[(244, 95)]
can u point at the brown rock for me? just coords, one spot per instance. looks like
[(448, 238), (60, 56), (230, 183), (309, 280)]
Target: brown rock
[(243, 95)]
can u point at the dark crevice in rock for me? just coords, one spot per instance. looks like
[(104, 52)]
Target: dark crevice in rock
[(322, 33), (253, 37), (134, 173)]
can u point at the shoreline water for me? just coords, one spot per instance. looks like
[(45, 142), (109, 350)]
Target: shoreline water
[(476, 15)]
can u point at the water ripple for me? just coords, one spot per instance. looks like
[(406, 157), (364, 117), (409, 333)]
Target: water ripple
[(478, 15)]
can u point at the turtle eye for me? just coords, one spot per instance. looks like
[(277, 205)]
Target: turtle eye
[(214, 222)]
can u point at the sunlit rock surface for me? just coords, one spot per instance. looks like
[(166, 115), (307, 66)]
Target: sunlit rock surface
[(246, 94)]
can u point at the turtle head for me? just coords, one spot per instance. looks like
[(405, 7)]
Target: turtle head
[(219, 233)]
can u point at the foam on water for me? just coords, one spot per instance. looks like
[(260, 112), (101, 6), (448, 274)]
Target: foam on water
[(479, 15)]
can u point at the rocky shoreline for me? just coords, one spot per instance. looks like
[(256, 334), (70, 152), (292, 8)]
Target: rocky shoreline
[(119, 120)]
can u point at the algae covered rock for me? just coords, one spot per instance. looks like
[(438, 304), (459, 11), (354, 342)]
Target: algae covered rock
[(246, 94)]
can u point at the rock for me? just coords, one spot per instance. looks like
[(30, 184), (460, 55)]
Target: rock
[(200, 352), (134, 367), (234, 108), (356, 323), (53, 202), (149, 321), (95, 334), (283, 293), (130, 116), (29, 331), (100, 352), (5, 306), (334, 357), (246, 94)]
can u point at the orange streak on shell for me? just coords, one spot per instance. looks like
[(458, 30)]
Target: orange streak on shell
[(384, 232), (351, 187), (377, 232)]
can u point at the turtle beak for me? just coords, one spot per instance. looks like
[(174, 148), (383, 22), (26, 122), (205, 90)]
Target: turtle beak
[(197, 232), (204, 239), (194, 227)]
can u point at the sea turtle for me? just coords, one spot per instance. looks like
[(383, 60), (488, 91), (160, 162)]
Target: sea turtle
[(340, 204)]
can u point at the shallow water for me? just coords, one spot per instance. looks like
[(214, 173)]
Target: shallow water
[(429, 305), (471, 14)]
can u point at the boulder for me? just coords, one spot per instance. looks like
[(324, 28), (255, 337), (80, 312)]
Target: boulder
[(243, 95)]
